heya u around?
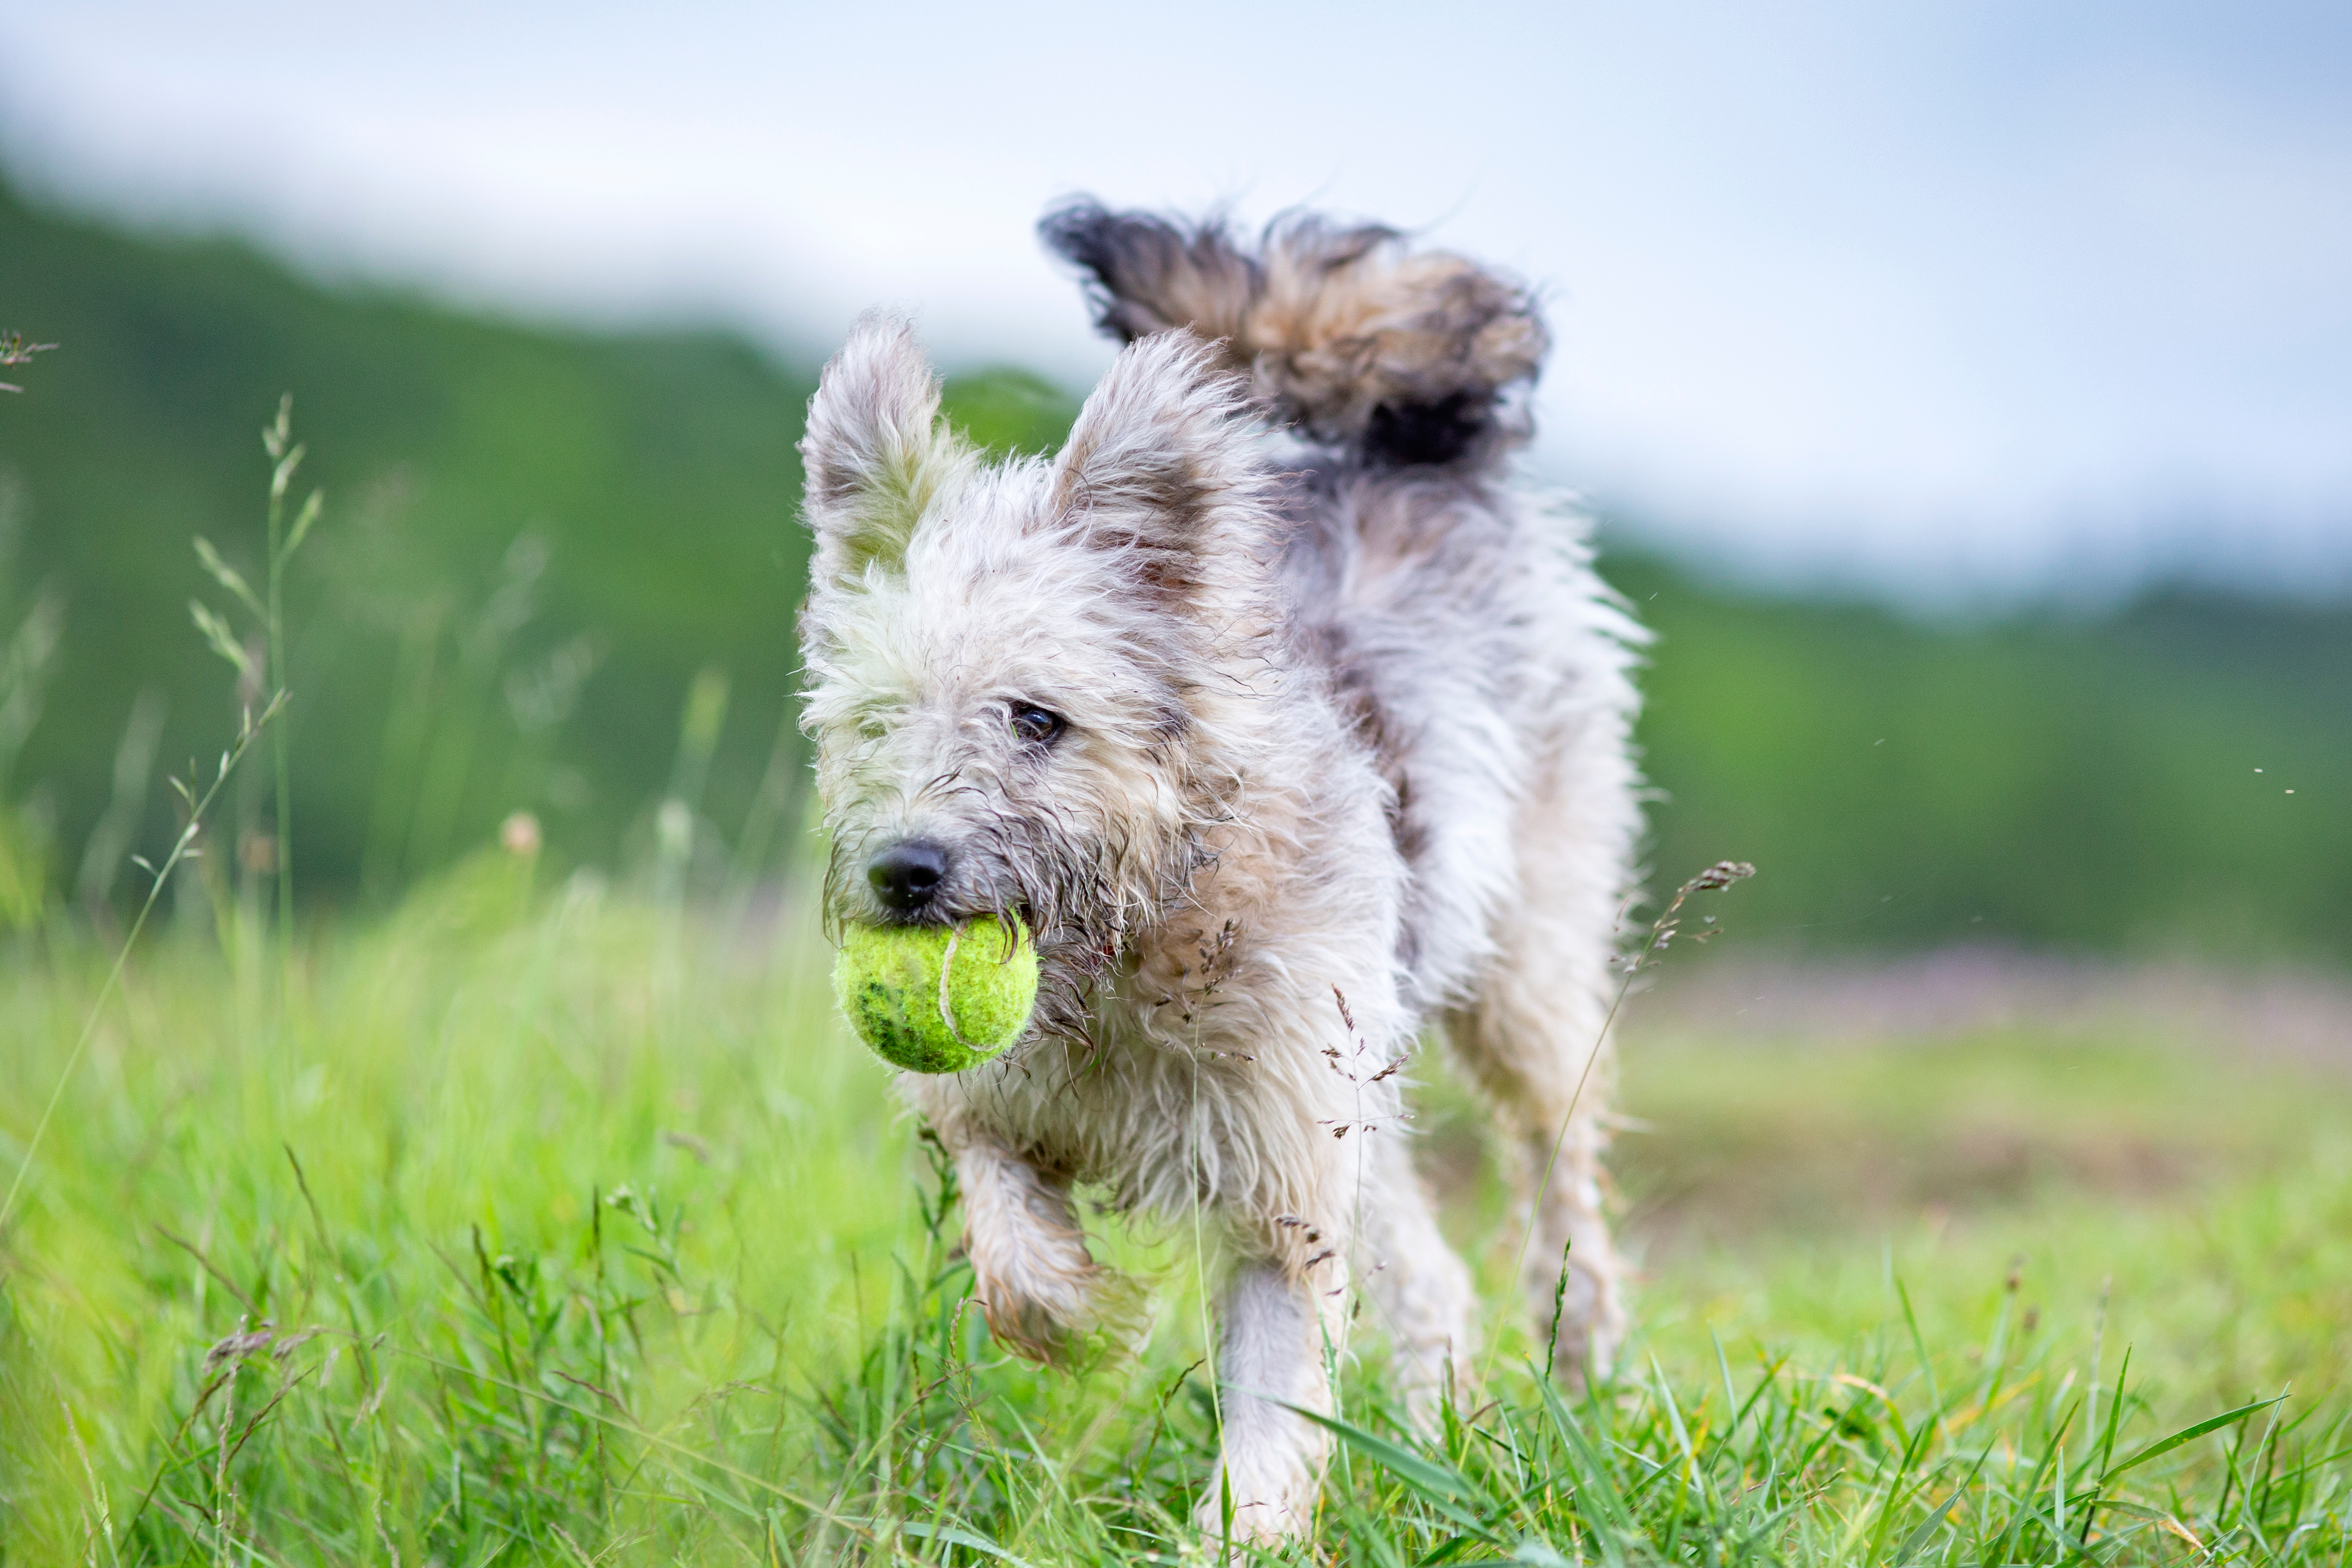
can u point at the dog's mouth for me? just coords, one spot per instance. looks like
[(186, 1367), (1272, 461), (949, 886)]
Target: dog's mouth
[(937, 912)]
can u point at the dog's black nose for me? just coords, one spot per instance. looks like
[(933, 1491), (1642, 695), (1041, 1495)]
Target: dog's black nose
[(906, 874)]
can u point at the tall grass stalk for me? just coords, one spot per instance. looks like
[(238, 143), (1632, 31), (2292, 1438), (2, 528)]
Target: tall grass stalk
[(285, 458), (184, 846), (282, 540), (14, 351)]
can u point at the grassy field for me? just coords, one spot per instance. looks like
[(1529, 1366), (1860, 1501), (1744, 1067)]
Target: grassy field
[(519, 1215), (561, 1223)]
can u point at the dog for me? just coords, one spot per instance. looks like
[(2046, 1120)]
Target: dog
[(1294, 730)]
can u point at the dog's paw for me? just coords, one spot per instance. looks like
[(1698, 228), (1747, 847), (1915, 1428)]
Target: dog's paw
[(1240, 1517), (1431, 1380), (1102, 1312), (1046, 1298)]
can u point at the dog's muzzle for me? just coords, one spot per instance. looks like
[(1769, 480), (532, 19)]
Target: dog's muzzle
[(907, 876)]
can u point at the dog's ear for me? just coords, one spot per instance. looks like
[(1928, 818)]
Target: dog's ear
[(875, 454), (1161, 456)]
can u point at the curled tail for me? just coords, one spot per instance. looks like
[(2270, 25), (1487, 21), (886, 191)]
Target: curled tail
[(1398, 358)]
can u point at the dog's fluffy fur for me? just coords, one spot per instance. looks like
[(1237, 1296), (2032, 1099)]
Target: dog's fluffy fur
[(1337, 753)]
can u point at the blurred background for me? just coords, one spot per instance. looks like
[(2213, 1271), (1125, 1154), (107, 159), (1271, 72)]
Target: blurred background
[(1964, 394)]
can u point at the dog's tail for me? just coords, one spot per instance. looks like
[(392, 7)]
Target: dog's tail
[(1395, 358)]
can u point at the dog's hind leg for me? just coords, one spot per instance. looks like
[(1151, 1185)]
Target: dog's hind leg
[(1535, 1040), (1550, 1107), (1419, 1287)]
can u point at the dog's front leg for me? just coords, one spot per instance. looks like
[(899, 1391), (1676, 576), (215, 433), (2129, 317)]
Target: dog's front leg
[(1034, 1278), (1278, 1322)]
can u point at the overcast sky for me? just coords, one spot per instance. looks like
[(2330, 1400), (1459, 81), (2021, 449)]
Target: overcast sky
[(1957, 299)]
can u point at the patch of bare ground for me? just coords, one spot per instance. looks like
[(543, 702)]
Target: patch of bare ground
[(1691, 1179), (1964, 992)]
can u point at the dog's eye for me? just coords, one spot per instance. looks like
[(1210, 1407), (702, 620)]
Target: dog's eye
[(1034, 725)]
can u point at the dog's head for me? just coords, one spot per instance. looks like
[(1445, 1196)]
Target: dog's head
[(1018, 672)]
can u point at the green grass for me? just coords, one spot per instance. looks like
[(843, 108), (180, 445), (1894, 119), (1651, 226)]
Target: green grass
[(580, 1233), (526, 1218)]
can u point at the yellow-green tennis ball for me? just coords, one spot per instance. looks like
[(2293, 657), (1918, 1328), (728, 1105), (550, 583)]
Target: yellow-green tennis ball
[(937, 998)]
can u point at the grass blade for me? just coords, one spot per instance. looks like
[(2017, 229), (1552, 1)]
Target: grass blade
[(2191, 1434), (1441, 1486)]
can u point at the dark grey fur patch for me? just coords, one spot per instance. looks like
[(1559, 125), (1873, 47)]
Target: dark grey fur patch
[(1443, 431)]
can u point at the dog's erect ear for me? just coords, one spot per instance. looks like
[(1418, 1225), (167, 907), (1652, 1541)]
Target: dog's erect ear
[(1161, 450), (875, 454)]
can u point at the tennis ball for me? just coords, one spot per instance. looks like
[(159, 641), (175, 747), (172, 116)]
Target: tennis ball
[(937, 998)]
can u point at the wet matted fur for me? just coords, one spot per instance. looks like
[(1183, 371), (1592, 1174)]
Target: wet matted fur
[(1295, 731)]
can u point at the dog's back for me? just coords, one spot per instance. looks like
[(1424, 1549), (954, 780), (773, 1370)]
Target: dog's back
[(1458, 623)]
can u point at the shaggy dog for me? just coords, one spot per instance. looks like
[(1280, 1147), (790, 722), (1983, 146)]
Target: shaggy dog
[(1293, 731)]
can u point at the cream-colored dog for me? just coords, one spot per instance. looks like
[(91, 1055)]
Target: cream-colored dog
[(1293, 731)]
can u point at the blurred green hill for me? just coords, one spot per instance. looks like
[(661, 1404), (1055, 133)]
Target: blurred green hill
[(494, 495), (536, 539), (2173, 775)]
